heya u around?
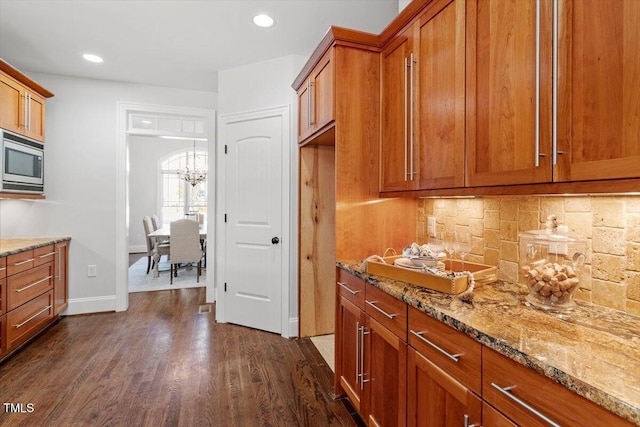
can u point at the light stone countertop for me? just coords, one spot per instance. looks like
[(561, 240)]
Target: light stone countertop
[(592, 350), (21, 244)]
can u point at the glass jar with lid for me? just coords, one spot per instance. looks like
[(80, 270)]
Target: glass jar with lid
[(550, 264)]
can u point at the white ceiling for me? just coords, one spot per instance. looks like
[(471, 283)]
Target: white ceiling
[(170, 42)]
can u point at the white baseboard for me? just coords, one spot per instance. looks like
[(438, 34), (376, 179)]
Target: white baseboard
[(138, 249), (91, 305), (293, 327)]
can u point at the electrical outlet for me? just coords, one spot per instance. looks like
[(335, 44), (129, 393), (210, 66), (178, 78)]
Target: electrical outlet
[(92, 271), (431, 226)]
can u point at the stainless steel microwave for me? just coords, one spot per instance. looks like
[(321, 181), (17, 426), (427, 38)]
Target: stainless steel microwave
[(22, 162)]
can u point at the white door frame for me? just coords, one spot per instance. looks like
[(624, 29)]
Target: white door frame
[(223, 121), (122, 192)]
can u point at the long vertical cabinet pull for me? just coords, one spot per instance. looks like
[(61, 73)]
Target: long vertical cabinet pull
[(29, 111), (406, 120), (362, 374), (24, 110), (308, 103), (312, 107), (412, 61), (357, 352), (59, 261), (538, 154), (554, 126)]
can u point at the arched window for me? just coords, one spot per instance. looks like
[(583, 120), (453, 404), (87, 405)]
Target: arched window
[(178, 198)]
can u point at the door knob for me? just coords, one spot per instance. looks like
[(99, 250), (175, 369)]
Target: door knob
[(275, 240)]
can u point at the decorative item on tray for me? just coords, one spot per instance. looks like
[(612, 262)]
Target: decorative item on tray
[(551, 262), (419, 258), (422, 266)]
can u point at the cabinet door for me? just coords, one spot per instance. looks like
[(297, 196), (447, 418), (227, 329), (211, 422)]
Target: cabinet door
[(508, 111), (35, 119), (11, 104), (304, 110), (61, 285), (440, 98), (349, 351), (385, 374), (322, 92), (435, 398), (598, 102), (395, 149)]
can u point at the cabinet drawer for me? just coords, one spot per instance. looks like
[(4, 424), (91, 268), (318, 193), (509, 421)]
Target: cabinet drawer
[(350, 287), (26, 285), (540, 394), (19, 262), (3, 296), (28, 319), (43, 255), (493, 418), (452, 351), (390, 312), (3, 267)]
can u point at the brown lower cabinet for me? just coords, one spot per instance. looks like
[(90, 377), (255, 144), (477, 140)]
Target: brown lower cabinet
[(371, 356), (401, 367), (33, 294)]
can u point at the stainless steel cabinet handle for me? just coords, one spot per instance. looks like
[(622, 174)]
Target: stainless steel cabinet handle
[(25, 113), (351, 291), (554, 125), (357, 352), (373, 304), (537, 120), (46, 255), (454, 357), (19, 325), (33, 284), (362, 373), (312, 107), (506, 392), (466, 422), (29, 111), (23, 262), (411, 116), (59, 275), (407, 66), (3, 268)]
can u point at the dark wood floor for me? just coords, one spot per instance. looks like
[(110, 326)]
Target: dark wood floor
[(162, 363)]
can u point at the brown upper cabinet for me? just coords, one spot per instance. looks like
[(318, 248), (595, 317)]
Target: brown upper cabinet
[(316, 99), (22, 103), (423, 84), (552, 91)]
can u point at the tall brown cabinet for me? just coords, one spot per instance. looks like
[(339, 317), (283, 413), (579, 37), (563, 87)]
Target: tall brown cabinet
[(340, 213)]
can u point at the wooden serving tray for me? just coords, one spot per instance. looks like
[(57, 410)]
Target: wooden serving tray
[(481, 273)]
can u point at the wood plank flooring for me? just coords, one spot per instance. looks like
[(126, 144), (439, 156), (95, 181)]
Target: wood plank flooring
[(162, 363)]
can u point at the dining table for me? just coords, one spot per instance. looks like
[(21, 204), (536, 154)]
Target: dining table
[(163, 233)]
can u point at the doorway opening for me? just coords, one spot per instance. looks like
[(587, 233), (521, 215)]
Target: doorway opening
[(145, 122)]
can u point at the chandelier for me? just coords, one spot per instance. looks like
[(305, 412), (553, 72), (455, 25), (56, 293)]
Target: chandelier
[(195, 176)]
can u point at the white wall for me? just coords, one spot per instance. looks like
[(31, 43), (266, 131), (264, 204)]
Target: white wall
[(80, 178), (145, 154), (402, 4), (263, 85)]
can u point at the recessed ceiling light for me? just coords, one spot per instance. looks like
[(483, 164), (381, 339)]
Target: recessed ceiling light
[(263, 20), (92, 58)]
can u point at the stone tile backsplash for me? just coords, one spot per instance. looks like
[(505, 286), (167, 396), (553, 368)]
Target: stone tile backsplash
[(611, 275)]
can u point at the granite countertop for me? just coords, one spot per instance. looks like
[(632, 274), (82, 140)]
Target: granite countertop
[(21, 244), (592, 350)]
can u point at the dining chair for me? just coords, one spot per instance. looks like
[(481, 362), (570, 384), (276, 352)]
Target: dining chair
[(185, 245), (155, 222), (163, 248)]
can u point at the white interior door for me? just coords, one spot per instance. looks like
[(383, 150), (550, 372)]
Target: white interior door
[(253, 207)]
